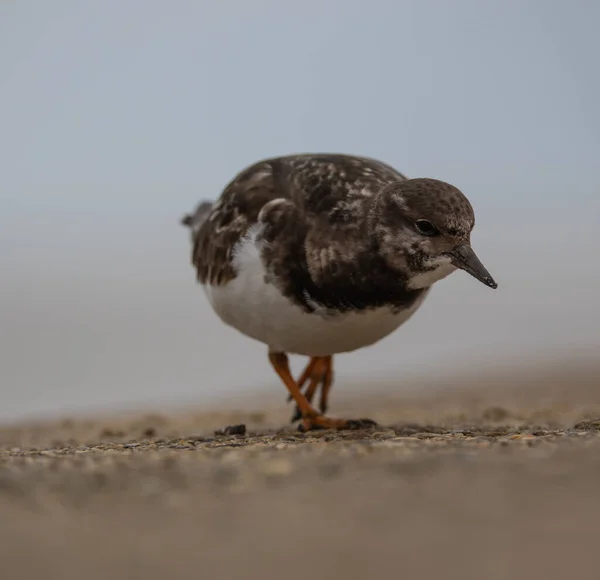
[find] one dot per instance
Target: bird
(317, 254)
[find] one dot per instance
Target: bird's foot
(298, 414)
(311, 423)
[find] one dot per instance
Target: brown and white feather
(326, 191)
(317, 253)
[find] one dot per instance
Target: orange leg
(308, 371)
(319, 371)
(310, 418)
(306, 374)
(281, 364)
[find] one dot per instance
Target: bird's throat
(434, 270)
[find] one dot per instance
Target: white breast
(259, 310)
(441, 267)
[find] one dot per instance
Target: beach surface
(495, 476)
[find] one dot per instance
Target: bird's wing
(323, 192)
(337, 191)
(221, 227)
(319, 247)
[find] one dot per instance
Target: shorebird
(320, 254)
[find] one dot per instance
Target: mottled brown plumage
(312, 241)
(331, 187)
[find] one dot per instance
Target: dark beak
(464, 257)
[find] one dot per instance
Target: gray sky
(117, 117)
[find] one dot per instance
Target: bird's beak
(464, 257)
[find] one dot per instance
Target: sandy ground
(496, 477)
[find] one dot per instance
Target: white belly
(259, 310)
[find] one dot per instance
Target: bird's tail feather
(198, 217)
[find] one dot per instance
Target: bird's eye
(426, 228)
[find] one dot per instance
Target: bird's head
(423, 228)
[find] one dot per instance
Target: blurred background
(117, 118)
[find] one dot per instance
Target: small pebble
(232, 430)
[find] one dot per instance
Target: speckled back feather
(325, 191)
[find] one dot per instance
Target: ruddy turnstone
(319, 254)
